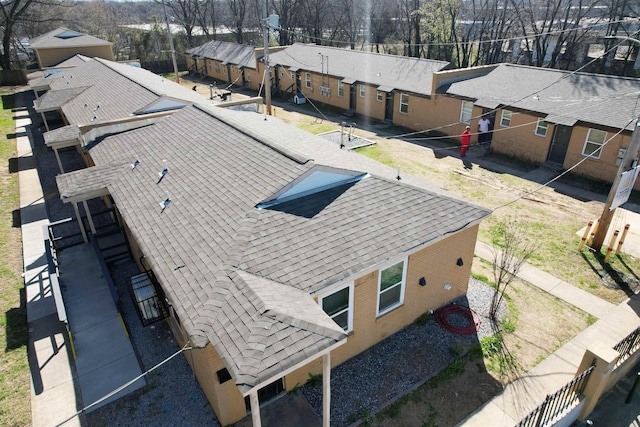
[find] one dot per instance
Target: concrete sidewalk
(53, 394)
(520, 397)
(60, 385)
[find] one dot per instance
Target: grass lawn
(551, 217)
(15, 395)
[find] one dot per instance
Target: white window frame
(247, 75)
(379, 95)
(349, 309)
(466, 112)
(541, 130)
(363, 91)
(404, 102)
(505, 118)
(307, 79)
(588, 141)
(402, 284)
(292, 75)
(216, 67)
(340, 88)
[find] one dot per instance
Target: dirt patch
(446, 399)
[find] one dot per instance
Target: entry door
(267, 393)
(559, 143)
(352, 96)
(388, 108)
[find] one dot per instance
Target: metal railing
(558, 403)
(628, 346)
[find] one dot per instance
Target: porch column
(84, 233)
(46, 125)
(255, 408)
(86, 209)
(55, 150)
(326, 390)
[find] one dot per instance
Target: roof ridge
(363, 52)
(108, 63)
(568, 72)
(260, 138)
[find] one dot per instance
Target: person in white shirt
(484, 134)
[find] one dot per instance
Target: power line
(523, 37)
(546, 184)
(122, 387)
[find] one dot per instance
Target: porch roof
(54, 99)
(65, 136)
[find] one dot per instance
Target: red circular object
(443, 312)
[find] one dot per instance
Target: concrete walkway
(105, 357)
(60, 386)
(520, 397)
(53, 393)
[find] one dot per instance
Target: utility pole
(173, 51)
(628, 161)
(267, 71)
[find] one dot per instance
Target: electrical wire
(533, 36)
(122, 387)
(546, 184)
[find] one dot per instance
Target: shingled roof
(229, 53)
(111, 90)
(222, 260)
(63, 37)
(562, 97)
(386, 71)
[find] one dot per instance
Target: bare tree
(511, 248)
(185, 13)
(207, 16)
(314, 16)
(13, 14)
(382, 24)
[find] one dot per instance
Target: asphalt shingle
(240, 277)
(565, 97)
(386, 71)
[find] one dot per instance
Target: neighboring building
(279, 254)
(62, 43)
(572, 115)
(237, 64)
(379, 86)
(542, 115)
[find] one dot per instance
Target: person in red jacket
(465, 139)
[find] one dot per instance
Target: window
(247, 75)
(466, 112)
(595, 139)
(292, 75)
(362, 91)
(391, 287)
(307, 77)
(404, 103)
(379, 95)
(541, 127)
(505, 118)
(340, 88)
(339, 306)
(224, 69)
(217, 67)
(325, 91)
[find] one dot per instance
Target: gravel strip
(172, 396)
(368, 382)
